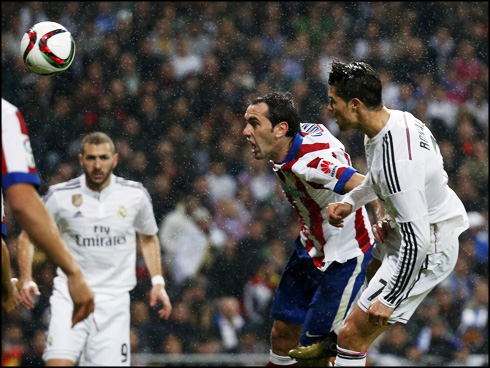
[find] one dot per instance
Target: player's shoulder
(65, 187)
(7, 106)
(133, 186)
(9, 110)
(127, 183)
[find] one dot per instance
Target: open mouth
(254, 147)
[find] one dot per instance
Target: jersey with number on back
(18, 164)
(100, 228)
(406, 172)
(312, 176)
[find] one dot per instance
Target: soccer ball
(47, 48)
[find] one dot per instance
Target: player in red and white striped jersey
(328, 265)
(19, 182)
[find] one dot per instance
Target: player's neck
(98, 187)
(283, 149)
(373, 121)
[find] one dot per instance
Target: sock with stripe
(278, 361)
(349, 358)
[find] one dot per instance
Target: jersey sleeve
(18, 164)
(408, 208)
(360, 195)
(326, 170)
(145, 222)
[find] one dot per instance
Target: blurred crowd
(170, 82)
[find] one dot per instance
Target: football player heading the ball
(406, 172)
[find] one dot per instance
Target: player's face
(341, 110)
(98, 162)
(258, 131)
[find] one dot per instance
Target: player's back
(418, 158)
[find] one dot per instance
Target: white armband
(158, 280)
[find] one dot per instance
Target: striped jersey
(406, 172)
(18, 164)
(312, 176)
(99, 229)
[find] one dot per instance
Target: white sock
(281, 360)
(346, 358)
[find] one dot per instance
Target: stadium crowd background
(169, 82)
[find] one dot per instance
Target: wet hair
(356, 80)
(281, 108)
(97, 138)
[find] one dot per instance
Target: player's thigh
(435, 268)
(64, 342)
(293, 295)
(337, 289)
(108, 344)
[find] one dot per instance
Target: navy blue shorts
(307, 296)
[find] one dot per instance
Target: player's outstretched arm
(151, 253)
(10, 295)
(34, 218)
(25, 254)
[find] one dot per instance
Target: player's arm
(32, 215)
(358, 194)
(25, 254)
(411, 216)
(150, 248)
(10, 295)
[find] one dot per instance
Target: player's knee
(283, 338)
(346, 334)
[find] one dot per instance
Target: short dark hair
(97, 138)
(356, 80)
(281, 108)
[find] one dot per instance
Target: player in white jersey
(406, 172)
(19, 182)
(328, 265)
(100, 216)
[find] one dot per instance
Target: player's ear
(356, 103)
(281, 129)
(80, 159)
(116, 160)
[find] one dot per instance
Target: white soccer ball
(47, 48)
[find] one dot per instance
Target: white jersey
(100, 228)
(312, 176)
(406, 172)
(18, 164)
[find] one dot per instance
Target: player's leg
(63, 344)
(355, 336)
(298, 283)
(284, 336)
(108, 343)
(337, 290)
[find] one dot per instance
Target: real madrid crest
(121, 213)
(77, 200)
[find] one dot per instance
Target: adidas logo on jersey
(78, 214)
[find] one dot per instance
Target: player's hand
(336, 213)
(381, 229)
(12, 298)
(82, 296)
(158, 293)
(378, 313)
(28, 287)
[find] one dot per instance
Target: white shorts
(437, 266)
(102, 339)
